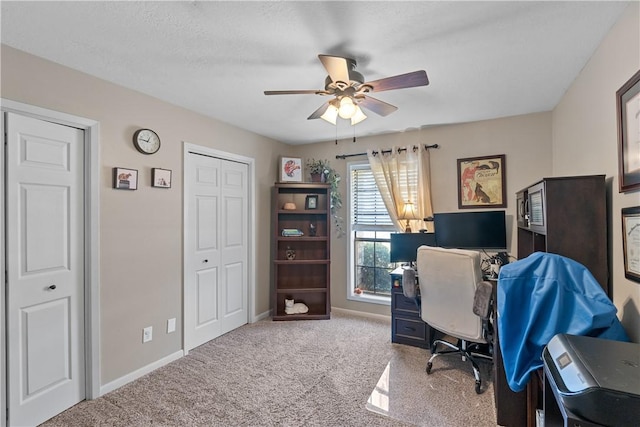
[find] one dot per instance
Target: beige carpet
(303, 373)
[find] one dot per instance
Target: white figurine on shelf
(292, 307)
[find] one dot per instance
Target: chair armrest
(483, 307)
(483, 299)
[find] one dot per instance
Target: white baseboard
(362, 314)
(115, 384)
(262, 316)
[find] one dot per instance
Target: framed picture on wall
(290, 169)
(125, 179)
(628, 109)
(161, 178)
(631, 242)
(481, 182)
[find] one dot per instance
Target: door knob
(52, 287)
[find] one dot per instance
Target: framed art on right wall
(628, 113)
(631, 242)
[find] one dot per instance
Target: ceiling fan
(350, 91)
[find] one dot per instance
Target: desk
(407, 327)
(511, 407)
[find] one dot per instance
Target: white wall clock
(146, 141)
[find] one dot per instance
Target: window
(369, 231)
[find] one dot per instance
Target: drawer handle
(409, 328)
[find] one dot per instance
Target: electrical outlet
(147, 334)
(171, 325)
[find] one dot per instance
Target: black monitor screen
(404, 246)
(471, 230)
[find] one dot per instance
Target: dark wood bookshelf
(304, 278)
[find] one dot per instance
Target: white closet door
(216, 282)
(233, 246)
(45, 269)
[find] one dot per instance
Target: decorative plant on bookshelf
(321, 171)
(318, 169)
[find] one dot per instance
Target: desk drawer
(400, 303)
(409, 328)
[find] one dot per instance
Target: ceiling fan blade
(293, 92)
(379, 107)
(319, 112)
(416, 78)
(337, 68)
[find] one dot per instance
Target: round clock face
(146, 141)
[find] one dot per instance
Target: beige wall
(141, 231)
(524, 140)
(585, 142)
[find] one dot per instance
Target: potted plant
(321, 171)
(318, 169)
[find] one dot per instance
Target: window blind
(368, 209)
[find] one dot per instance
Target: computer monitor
(404, 246)
(471, 230)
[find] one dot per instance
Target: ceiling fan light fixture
(358, 116)
(347, 108)
(348, 90)
(331, 114)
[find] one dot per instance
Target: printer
(596, 379)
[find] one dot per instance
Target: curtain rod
(344, 156)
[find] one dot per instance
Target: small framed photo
(628, 111)
(161, 178)
(311, 202)
(290, 169)
(631, 242)
(125, 179)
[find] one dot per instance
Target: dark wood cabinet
(301, 263)
(407, 327)
(571, 222)
(566, 216)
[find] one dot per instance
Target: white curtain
(404, 176)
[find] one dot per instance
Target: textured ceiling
(483, 59)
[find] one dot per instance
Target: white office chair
(450, 286)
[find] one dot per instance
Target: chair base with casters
(466, 350)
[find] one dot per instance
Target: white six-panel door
(45, 267)
(234, 245)
(216, 248)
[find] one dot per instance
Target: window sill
(371, 299)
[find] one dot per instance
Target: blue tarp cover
(544, 295)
